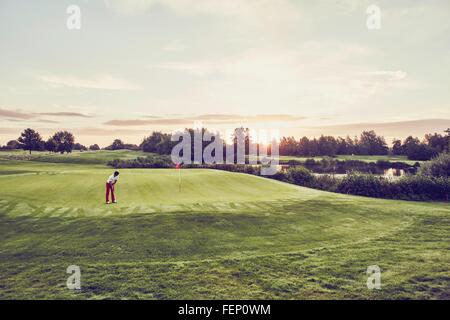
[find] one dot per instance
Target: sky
(300, 67)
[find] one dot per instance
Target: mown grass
(76, 157)
(225, 235)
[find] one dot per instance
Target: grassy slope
(224, 236)
(76, 157)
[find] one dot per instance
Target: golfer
(112, 180)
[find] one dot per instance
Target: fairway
(224, 235)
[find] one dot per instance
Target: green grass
(76, 157)
(225, 235)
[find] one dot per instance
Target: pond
(382, 172)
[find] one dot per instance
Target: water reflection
(392, 172)
(387, 173)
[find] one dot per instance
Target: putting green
(82, 192)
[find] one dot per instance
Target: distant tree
(327, 146)
(79, 147)
(409, 145)
(51, 145)
(352, 145)
(131, 146)
(371, 144)
(120, 145)
(289, 146)
(437, 141)
(342, 146)
(31, 140)
(447, 131)
(304, 147)
(158, 142)
(116, 145)
(313, 147)
(94, 147)
(422, 152)
(13, 145)
(64, 141)
(397, 148)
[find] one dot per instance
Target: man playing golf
(112, 180)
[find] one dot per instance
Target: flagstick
(179, 180)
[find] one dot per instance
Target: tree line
(368, 143)
(62, 142)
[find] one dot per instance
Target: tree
(289, 146)
(436, 141)
(79, 147)
(303, 147)
(371, 144)
(94, 147)
(409, 145)
(64, 141)
(31, 140)
(397, 148)
(157, 142)
(116, 145)
(13, 145)
(352, 145)
(448, 139)
(327, 146)
(342, 146)
(51, 145)
(313, 147)
(422, 152)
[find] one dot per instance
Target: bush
(300, 175)
(422, 152)
(421, 188)
(154, 161)
(437, 167)
(409, 187)
(280, 176)
(363, 185)
(325, 182)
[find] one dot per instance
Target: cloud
(64, 114)
(104, 82)
(389, 75)
(209, 118)
(46, 121)
(311, 75)
(21, 116)
(9, 114)
(92, 131)
(398, 129)
(120, 123)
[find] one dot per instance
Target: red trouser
(110, 188)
